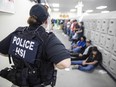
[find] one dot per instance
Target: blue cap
(40, 12)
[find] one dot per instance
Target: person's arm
(64, 64)
(57, 53)
(4, 45)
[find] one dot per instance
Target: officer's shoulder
(21, 29)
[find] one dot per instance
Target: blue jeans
(76, 50)
(81, 67)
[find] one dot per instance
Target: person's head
(83, 38)
(94, 50)
(88, 43)
(38, 15)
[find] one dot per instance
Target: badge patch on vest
(23, 48)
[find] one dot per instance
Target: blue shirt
(81, 43)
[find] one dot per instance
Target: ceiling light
(105, 11)
(56, 9)
(101, 7)
(72, 10)
(55, 5)
(88, 11)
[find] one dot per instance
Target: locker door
(92, 36)
(113, 64)
(112, 27)
(97, 34)
(99, 24)
(88, 34)
(90, 24)
(106, 58)
(102, 40)
(94, 24)
(109, 43)
(105, 26)
(85, 32)
(85, 24)
(114, 47)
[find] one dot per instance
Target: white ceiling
(66, 5)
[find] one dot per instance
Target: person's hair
(32, 20)
(94, 48)
(88, 41)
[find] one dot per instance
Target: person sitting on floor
(85, 54)
(80, 45)
(91, 62)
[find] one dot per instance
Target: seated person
(76, 48)
(91, 62)
(85, 54)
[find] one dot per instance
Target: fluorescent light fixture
(105, 11)
(55, 5)
(56, 9)
(101, 7)
(88, 11)
(73, 10)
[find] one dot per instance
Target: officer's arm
(64, 64)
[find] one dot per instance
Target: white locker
(90, 24)
(94, 24)
(112, 27)
(92, 36)
(114, 47)
(86, 24)
(102, 40)
(106, 58)
(88, 34)
(113, 64)
(100, 49)
(109, 43)
(99, 25)
(97, 37)
(105, 26)
(85, 32)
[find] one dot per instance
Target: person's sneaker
(75, 67)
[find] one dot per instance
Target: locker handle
(115, 51)
(111, 68)
(110, 31)
(112, 22)
(114, 59)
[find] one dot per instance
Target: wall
(101, 29)
(9, 22)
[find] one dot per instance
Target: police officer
(55, 50)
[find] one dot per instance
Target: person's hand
(84, 62)
(80, 55)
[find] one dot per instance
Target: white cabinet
(106, 58)
(109, 43)
(102, 40)
(97, 37)
(105, 26)
(113, 64)
(99, 25)
(112, 27)
(114, 47)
